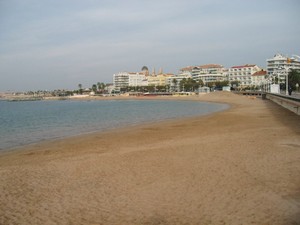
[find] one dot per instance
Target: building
(137, 79)
(279, 61)
(209, 73)
(174, 81)
(279, 65)
(131, 79)
(120, 80)
(259, 78)
(242, 74)
(159, 79)
(186, 71)
(145, 70)
(128, 79)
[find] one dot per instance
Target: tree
(174, 81)
(94, 88)
(100, 87)
(80, 88)
(200, 83)
(221, 84)
(190, 84)
(294, 78)
(235, 84)
(182, 84)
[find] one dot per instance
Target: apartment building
(174, 81)
(186, 71)
(137, 79)
(243, 74)
(159, 79)
(209, 73)
(280, 61)
(279, 65)
(259, 78)
(120, 80)
(128, 79)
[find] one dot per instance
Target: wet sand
(239, 166)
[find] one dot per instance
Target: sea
(27, 122)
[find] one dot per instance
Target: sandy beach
(239, 166)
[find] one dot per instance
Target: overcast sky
(57, 44)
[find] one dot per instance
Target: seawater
(27, 122)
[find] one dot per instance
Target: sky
(58, 44)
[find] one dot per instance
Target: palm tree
(200, 83)
(80, 88)
(94, 88)
(174, 81)
(101, 87)
(182, 84)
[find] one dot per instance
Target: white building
(259, 78)
(280, 61)
(120, 80)
(174, 81)
(209, 73)
(137, 79)
(126, 79)
(186, 71)
(279, 65)
(242, 74)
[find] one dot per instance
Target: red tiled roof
(260, 73)
(188, 68)
(207, 66)
(247, 65)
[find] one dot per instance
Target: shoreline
(236, 166)
(113, 129)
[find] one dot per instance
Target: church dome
(145, 68)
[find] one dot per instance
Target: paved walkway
(294, 94)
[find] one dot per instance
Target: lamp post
(287, 83)
(287, 80)
(286, 69)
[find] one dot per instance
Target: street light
(287, 84)
(287, 81)
(286, 69)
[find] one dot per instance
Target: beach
(238, 166)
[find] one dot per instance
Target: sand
(239, 166)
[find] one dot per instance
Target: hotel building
(159, 79)
(280, 61)
(120, 80)
(209, 73)
(259, 78)
(279, 65)
(186, 71)
(243, 74)
(174, 81)
(127, 79)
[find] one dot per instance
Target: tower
(145, 70)
(160, 71)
